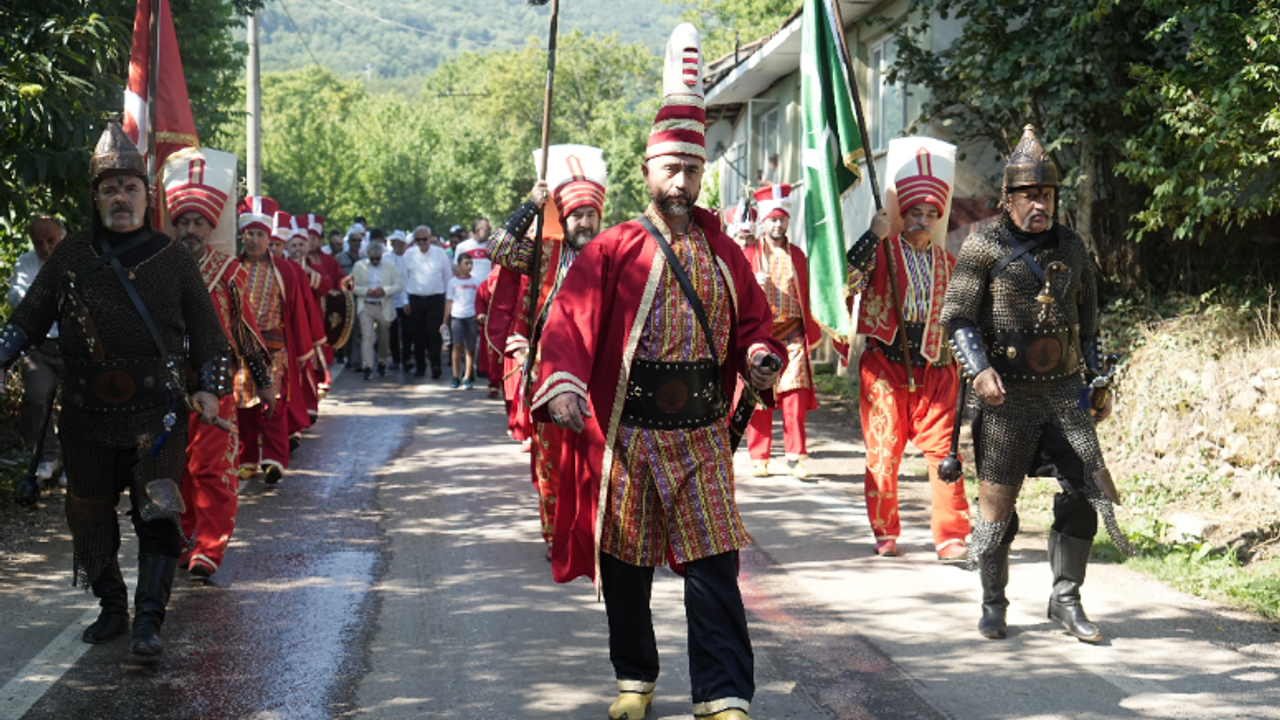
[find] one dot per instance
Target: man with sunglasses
(427, 272)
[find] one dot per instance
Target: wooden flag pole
(535, 263)
(892, 268)
(153, 89)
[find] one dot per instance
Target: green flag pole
(892, 269)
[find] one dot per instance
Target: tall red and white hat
(257, 212)
(576, 175)
(924, 172)
(198, 180)
(314, 225)
(773, 200)
(283, 227)
(681, 124)
(740, 219)
(201, 180)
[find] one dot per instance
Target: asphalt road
(397, 572)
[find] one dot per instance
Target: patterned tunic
(675, 487)
(266, 294)
(780, 286)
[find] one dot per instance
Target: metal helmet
(116, 155)
(1029, 165)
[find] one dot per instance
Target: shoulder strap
(683, 278)
(132, 292)
(109, 253)
(1022, 251)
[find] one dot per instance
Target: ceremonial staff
(535, 263)
(892, 268)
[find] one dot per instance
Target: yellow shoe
(799, 471)
(247, 471)
(732, 714)
(633, 700)
(761, 469)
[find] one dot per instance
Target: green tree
(61, 69)
(1210, 149)
(63, 73)
(726, 23)
(1062, 65)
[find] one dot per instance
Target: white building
(754, 123)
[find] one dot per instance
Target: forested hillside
(414, 36)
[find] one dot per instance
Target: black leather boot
(113, 596)
(155, 579)
(994, 569)
(1068, 558)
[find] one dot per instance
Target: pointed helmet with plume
(115, 155)
(1029, 165)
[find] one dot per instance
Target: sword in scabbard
(1045, 298)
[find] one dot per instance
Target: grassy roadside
(1194, 445)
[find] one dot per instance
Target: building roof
(732, 80)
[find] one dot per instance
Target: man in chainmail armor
(1022, 311)
(125, 404)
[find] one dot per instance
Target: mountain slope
(344, 36)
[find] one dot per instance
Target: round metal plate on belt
(672, 396)
(114, 387)
(1044, 354)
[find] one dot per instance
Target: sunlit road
(397, 572)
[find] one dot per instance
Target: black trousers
(401, 339)
(721, 664)
(426, 314)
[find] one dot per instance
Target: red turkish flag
(174, 127)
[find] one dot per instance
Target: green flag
(830, 152)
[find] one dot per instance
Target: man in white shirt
(477, 246)
(427, 273)
(43, 362)
(375, 283)
(401, 347)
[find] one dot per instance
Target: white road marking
(33, 681)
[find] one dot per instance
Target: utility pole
(253, 148)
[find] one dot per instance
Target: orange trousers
(210, 483)
(547, 442)
(794, 405)
(890, 417)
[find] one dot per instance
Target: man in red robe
(576, 174)
(782, 271)
(197, 184)
(277, 297)
(509, 290)
(626, 367)
(892, 412)
(304, 402)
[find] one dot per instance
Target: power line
(299, 33)
(420, 30)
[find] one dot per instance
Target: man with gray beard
(576, 181)
(132, 310)
(1022, 310)
(197, 183)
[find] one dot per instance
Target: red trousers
(209, 485)
(795, 405)
(890, 417)
(547, 442)
(264, 440)
(519, 424)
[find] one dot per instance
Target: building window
(767, 136)
(888, 100)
